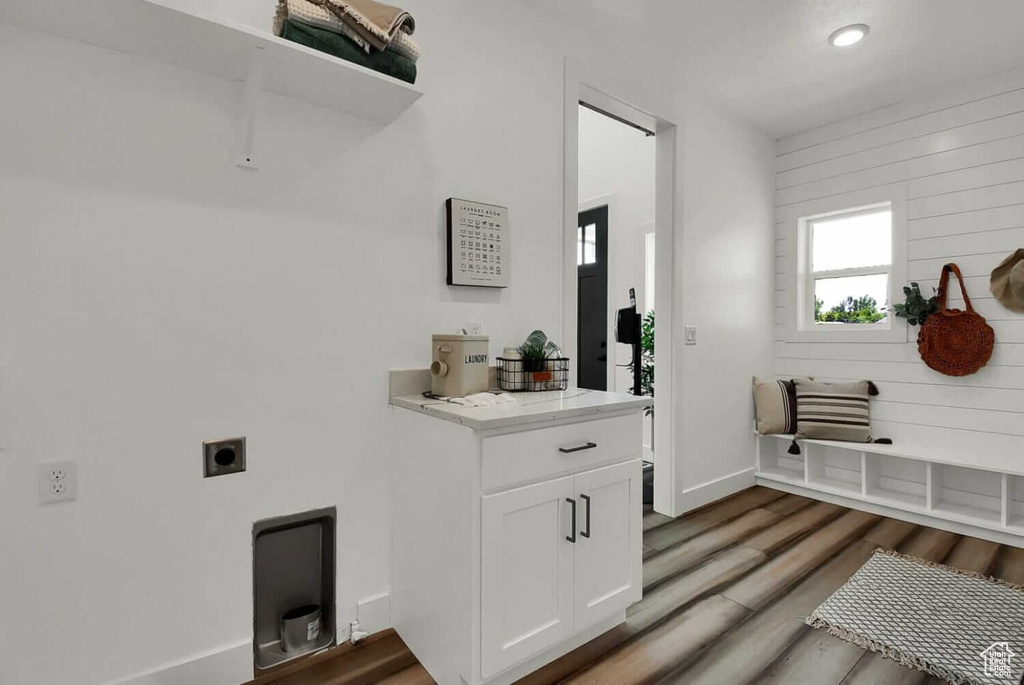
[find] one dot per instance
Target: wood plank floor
(725, 590)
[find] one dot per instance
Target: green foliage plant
(916, 309)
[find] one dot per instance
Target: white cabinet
(609, 561)
(558, 557)
(526, 574)
(512, 546)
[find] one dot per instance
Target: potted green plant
(917, 308)
(647, 357)
(533, 354)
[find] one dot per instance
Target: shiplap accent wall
(960, 155)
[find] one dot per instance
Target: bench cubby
(836, 469)
(967, 493)
(895, 479)
(773, 459)
(1015, 503)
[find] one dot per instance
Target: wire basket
(513, 376)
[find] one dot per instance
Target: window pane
(850, 242)
(590, 244)
(579, 246)
(856, 299)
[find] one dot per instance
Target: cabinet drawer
(530, 456)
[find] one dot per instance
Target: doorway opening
(592, 368)
(614, 265)
(588, 84)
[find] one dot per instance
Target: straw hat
(1008, 282)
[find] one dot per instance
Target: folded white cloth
(484, 399)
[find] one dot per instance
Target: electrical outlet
(474, 328)
(57, 481)
(223, 457)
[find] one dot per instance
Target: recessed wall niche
(293, 586)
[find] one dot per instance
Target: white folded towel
(484, 399)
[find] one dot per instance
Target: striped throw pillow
(774, 406)
(833, 411)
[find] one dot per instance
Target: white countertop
(530, 407)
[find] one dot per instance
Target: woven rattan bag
(953, 342)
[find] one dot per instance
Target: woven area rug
(962, 627)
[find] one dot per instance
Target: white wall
(617, 160)
(153, 296)
(723, 264)
(960, 155)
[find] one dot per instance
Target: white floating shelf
(149, 29)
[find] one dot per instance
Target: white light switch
(4, 412)
(691, 335)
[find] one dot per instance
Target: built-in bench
(978, 494)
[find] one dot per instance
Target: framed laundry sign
(478, 245)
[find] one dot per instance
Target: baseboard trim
(374, 613)
(712, 491)
(230, 663)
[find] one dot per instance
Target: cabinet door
(526, 573)
(609, 563)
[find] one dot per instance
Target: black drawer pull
(586, 533)
(572, 538)
(570, 450)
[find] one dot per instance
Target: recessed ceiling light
(848, 35)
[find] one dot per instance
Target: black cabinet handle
(570, 450)
(572, 538)
(586, 533)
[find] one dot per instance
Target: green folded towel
(386, 62)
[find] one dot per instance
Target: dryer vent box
(223, 457)
(293, 567)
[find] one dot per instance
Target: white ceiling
(768, 60)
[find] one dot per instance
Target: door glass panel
(590, 244)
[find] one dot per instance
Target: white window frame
(801, 325)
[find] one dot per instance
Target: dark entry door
(592, 299)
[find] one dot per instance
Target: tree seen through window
(862, 309)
